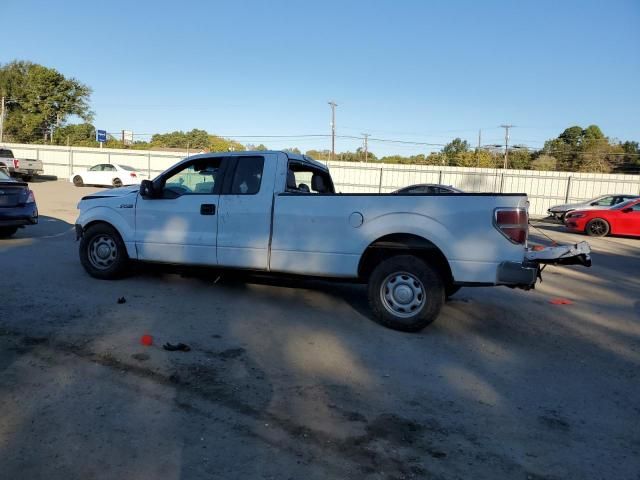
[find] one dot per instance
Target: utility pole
(366, 146)
(478, 149)
(333, 129)
(506, 144)
(2, 121)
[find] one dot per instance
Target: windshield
(626, 204)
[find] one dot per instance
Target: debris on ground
(560, 301)
(141, 357)
(183, 347)
(122, 300)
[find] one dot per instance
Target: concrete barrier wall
(544, 188)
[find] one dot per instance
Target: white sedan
(107, 174)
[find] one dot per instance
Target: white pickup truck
(19, 167)
(278, 212)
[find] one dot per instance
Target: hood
(568, 206)
(113, 192)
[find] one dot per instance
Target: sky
(411, 71)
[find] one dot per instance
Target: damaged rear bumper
(525, 274)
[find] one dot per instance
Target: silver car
(603, 201)
(429, 188)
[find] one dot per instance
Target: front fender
(115, 219)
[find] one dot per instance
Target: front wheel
(117, 182)
(405, 293)
(103, 253)
(77, 181)
(597, 228)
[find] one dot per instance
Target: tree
(82, 134)
(455, 147)
(544, 162)
(40, 98)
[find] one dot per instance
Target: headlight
(576, 215)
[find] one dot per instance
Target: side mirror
(146, 189)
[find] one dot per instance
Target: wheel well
(98, 222)
(403, 244)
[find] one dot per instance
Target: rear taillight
(31, 197)
(133, 175)
(16, 163)
(513, 223)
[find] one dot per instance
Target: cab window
(303, 178)
(196, 178)
(247, 176)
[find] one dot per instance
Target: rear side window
(247, 177)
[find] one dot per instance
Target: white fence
(544, 188)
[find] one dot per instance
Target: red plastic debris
(537, 248)
(560, 301)
(146, 340)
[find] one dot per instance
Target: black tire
(109, 263)
(77, 181)
(27, 178)
(451, 290)
(407, 270)
(117, 182)
(6, 232)
(597, 227)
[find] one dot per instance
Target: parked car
(19, 167)
(17, 205)
(428, 188)
(115, 175)
(621, 219)
(601, 202)
(278, 212)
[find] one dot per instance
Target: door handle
(207, 209)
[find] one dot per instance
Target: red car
(621, 219)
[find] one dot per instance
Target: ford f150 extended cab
(279, 212)
(19, 167)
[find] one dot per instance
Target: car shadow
(43, 178)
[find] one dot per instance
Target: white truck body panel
(305, 233)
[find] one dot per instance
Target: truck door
(180, 223)
(244, 219)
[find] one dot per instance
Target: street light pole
(366, 146)
(333, 129)
(506, 144)
(2, 121)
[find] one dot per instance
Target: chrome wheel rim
(102, 252)
(598, 227)
(402, 294)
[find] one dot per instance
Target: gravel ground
(289, 380)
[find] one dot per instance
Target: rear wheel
(27, 178)
(6, 232)
(77, 181)
(117, 182)
(103, 253)
(405, 293)
(597, 227)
